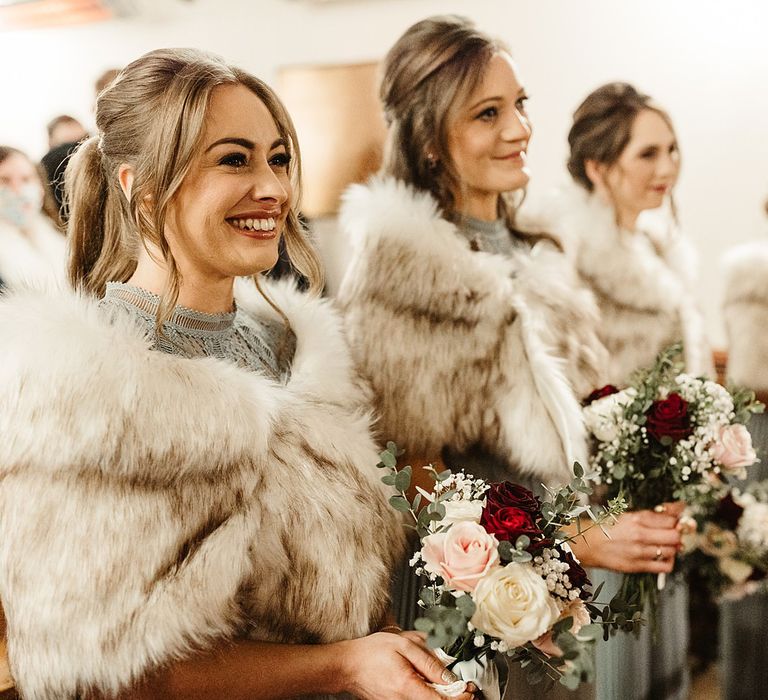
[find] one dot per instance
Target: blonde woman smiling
(190, 503)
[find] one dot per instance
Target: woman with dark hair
(624, 160)
(189, 499)
(474, 334)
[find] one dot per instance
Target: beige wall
(704, 60)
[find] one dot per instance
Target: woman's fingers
(661, 521)
(659, 552)
(667, 537)
(427, 664)
(675, 508)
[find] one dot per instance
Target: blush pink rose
(461, 556)
(580, 615)
(734, 450)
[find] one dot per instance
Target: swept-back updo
(602, 127)
(428, 75)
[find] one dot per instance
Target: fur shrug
(746, 315)
(34, 257)
(642, 282)
(445, 337)
(152, 504)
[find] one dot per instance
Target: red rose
(510, 511)
(576, 573)
(509, 523)
(507, 494)
(729, 511)
(669, 418)
(607, 390)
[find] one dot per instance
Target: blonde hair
(152, 117)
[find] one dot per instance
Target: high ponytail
(96, 225)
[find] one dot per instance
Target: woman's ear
(125, 175)
(596, 171)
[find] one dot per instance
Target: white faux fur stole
(151, 504)
(649, 270)
(33, 257)
(457, 337)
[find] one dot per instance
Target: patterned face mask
(20, 207)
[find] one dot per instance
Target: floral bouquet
(728, 551)
(669, 436)
(500, 577)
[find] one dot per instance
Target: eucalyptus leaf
(563, 625)
(388, 459)
(570, 680)
(403, 480)
(399, 503)
(466, 605)
(423, 624)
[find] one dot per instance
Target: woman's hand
(387, 666)
(641, 541)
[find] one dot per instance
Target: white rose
(753, 524)
(462, 511)
(513, 604)
(734, 569)
(602, 417)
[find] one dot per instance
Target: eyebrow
(245, 143)
(495, 98)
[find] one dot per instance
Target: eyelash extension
(230, 157)
(284, 158)
(488, 113)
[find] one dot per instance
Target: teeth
(254, 224)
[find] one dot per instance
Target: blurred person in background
(624, 160)
(32, 250)
(64, 129)
(64, 134)
(743, 635)
(55, 161)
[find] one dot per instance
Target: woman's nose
(517, 127)
(268, 187)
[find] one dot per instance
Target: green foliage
(445, 617)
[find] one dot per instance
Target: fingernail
(449, 676)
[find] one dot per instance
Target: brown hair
(429, 74)
(57, 121)
(8, 151)
(105, 79)
(152, 117)
(602, 127)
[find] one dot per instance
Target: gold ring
(660, 508)
(657, 556)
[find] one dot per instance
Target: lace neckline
(182, 317)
